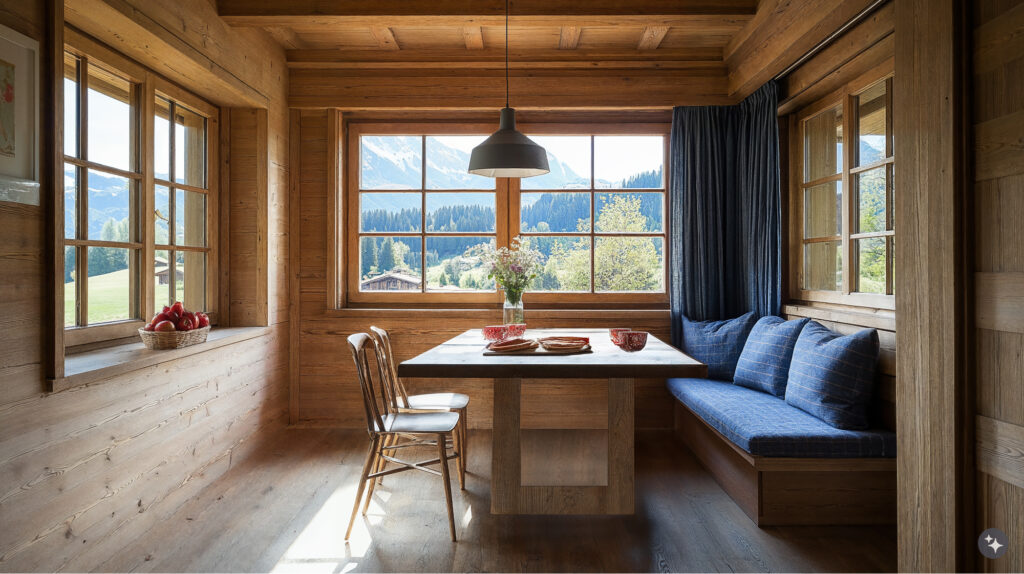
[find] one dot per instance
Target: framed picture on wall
(19, 117)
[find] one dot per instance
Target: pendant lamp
(507, 152)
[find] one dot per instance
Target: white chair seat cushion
(438, 401)
(421, 422)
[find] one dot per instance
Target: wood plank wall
(328, 392)
(998, 118)
(87, 470)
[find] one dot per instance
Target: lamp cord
(506, 53)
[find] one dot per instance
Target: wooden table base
(509, 496)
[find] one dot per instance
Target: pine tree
(368, 255)
(386, 255)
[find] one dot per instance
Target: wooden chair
(431, 402)
(384, 424)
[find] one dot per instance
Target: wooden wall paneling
(294, 189)
(224, 214)
(931, 298)
(248, 217)
(779, 34)
(998, 265)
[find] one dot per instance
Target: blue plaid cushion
(717, 344)
(764, 362)
(832, 376)
(766, 426)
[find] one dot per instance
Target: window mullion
(147, 223)
(423, 214)
(82, 252)
(849, 156)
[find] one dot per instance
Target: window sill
(100, 364)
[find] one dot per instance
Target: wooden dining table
(525, 465)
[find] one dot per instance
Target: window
(102, 177)
(120, 266)
(846, 241)
(417, 222)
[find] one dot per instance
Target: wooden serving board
(539, 350)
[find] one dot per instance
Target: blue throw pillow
(717, 344)
(764, 362)
(832, 376)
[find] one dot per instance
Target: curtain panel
(726, 236)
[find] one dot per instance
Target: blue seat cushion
(764, 362)
(765, 425)
(833, 376)
(717, 344)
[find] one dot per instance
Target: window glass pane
(190, 280)
(823, 210)
(161, 215)
(823, 266)
(70, 201)
(566, 263)
(461, 212)
(448, 162)
(391, 162)
(554, 212)
(70, 105)
(390, 212)
(110, 119)
(70, 295)
(569, 161)
(635, 264)
(189, 147)
(109, 285)
(162, 140)
(823, 144)
(456, 264)
(871, 200)
(629, 212)
(109, 207)
(871, 264)
(872, 124)
(628, 162)
(162, 278)
(390, 263)
(189, 218)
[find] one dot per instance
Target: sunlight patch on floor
(320, 548)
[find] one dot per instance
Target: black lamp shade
(508, 153)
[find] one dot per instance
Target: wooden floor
(285, 509)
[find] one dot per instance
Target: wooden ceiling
(471, 33)
(597, 54)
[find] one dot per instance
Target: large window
(133, 145)
(847, 239)
(418, 222)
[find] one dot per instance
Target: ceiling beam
(569, 37)
(676, 58)
(474, 38)
(652, 37)
(385, 38)
(479, 12)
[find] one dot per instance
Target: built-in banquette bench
(783, 466)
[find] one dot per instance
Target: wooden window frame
(147, 86)
(846, 96)
(507, 192)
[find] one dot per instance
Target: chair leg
(388, 441)
(463, 446)
(370, 458)
(378, 461)
(442, 452)
(457, 451)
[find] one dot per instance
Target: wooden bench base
(793, 491)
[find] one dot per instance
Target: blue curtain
(725, 210)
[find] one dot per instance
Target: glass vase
(512, 310)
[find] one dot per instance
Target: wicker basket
(158, 340)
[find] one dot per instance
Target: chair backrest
(375, 412)
(383, 340)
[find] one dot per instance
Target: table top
(463, 357)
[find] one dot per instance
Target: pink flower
(8, 92)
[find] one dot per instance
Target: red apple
(148, 327)
(203, 318)
(187, 322)
(160, 317)
(178, 308)
(164, 326)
